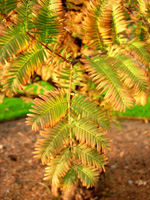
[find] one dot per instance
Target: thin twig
(32, 37)
(46, 47)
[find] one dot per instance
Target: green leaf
(22, 68)
(69, 179)
(7, 6)
(46, 21)
(86, 108)
(13, 41)
(86, 131)
(132, 75)
(119, 22)
(90, 156)
(48, 110)
(87, 175)
(58, 167)
(98, 24)
(138, 50)
(53, 143)
(25, 13)
(103, 74)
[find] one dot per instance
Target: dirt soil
(127, 175)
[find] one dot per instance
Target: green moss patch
(137, 111)
(12, 108)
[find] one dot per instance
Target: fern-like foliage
(88, 132)
(69, 179)
(64, 74)
(26, 15)
(84, 107)
(138, 51)
(88, 175)
(54, 141)
(13, 42)
(97, 23)
(129, 72)
(48, 110)
(84, 147)
(105, 77)
(46, 21)
(90, 157)
(143, 6)
(110, 65)
(104, 22)
(119, 22)
(24, 66)
(58, 167)
(7, 6)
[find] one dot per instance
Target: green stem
(69, 106)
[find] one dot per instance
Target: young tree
(110, 66)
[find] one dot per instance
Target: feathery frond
(25, 11)
(48, 110)
(64, 74)
(90, 157)
(69, 179)
(53, 143)
(46, 20)
(58, 167)
(119, 22)
(87, 175)
(22, 68)
(12, 42)
(88, 132)
(129, 71)
(97, 23)
(104, 22)
(7, 6)
(86, 108)
(138, 50)
(143, 6)
(105, 77)
(90, 25)
(63, 77)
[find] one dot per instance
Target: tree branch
(46, 47)
(32, 37)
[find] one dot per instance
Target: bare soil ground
(127, 174)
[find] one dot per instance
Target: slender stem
(32, 37)
(69, 104)
(46, 47)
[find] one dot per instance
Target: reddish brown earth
(127, 175)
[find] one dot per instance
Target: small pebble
(7, 191)
(113, 166)
(130, 182)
